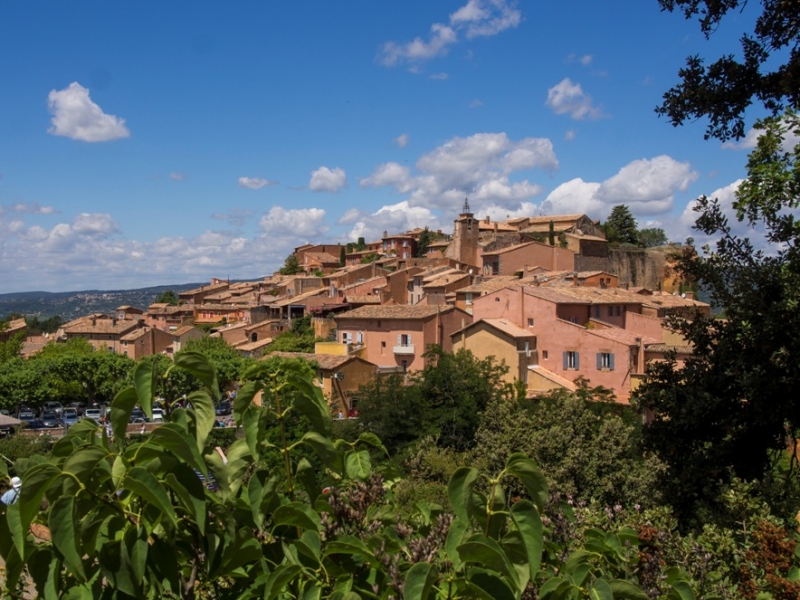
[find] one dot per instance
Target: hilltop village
(542, 294)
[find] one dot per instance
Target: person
(11, 495)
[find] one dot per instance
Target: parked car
(70, 417)
(93, 413)
(53, 407)
(158, 415)
(50, 420)
(35, 424)
(224, 408)
(138, 416)
(26, 414)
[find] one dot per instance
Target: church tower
(464, 247)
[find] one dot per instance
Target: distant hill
(69, 305)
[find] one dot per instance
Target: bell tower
(464, 247)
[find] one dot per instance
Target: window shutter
(599, 360)
(577, 361)
(565, 360)
(611, 361)
(400, 339)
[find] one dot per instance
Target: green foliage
(734, 403)
(621, 226)
(167, 297)
(133, 518)
(37, 326)
(342, 256)
(299, 338)
(291, 266)
(227, 361)
(551, 234)
(650, 237)
(723, 90)
(370, 258)
(585, 455)
(425, 239)
(16, 446)
(444, 400)
(11, 348)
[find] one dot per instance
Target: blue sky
(144, 143)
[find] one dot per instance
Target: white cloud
(75, 116)
(393, 218)
(327, 180)
(236, 216)
(750, 140)
(255, 183)
(584, 59)
(178, 176)
(31, 208)
(439, 76)
(567, 97)
(570, 135)
(646, 186)
(482, 166)
(94, 224)
(402, 140)
(475, 103)
(477, 18)
(293, 223)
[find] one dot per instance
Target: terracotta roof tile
(397, 311)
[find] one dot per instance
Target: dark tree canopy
(724, 89)
(425, 239)
(291, 266)
(736, 402)
(649, 237)
(167, 297)
(621, 226)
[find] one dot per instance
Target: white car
(158, 415)
(93, 413)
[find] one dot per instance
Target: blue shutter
(611, 361)
(565, 360)
(577, 361)
(599, 360)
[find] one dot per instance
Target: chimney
(575, 278)
(689, 295)
(495, 228)
(385, 234)
(488, 220)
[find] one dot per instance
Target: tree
(291, 266)
(226, 360)
(621, 226)
(167, 297)
(342, 256)
(551, 234)
(724, 89)
(425, 239)
(650, 237)
(732, 407)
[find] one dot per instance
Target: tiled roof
(623, 336)
(105, 326)
(491, 285)
(326, 362)
(444, 279)
(549, 375)
(666, 348)
(509, 249)
(509, 328)
(363, 299)
(135, 334)
(664, 300)
(397, 311)
(205, 288)
(182, 330)
(247, 346)
(586, 294)
(323, 257)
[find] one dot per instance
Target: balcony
(407, 349)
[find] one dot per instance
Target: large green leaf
(459, 490)
(244, 398)
(419, 581)
(259, 486)
(145, 384)
(35, 483)
(297, 514)
(681, 590)
(600, 590)
(203, 407)
(173, 438)
(529, 524)
(82, 462)
(199, 366)
(63, 523)
(486, 552)
(279, 579)
(306, 475)
(310, 403)
(531, 476)
(357, 465)
(324, 449)
(625, 590)
(489, 586)
(455, 536)
(191, 493)
(350, 545)
(141, 482)
(372, 440)
(134, 552)
(121, 408)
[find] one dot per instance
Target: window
(571, 360)
(360, 336)
(379, 324)
(610, 311)
(619, 311)
(383, 344)
(405, 366)
(544, 355)
(605, 361)
(347, 338)
(597, 312)
(404, 339)
(469, 298)
(530, 322)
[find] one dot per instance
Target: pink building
(398, 335)
(522, 256)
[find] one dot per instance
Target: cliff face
(653, 268)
